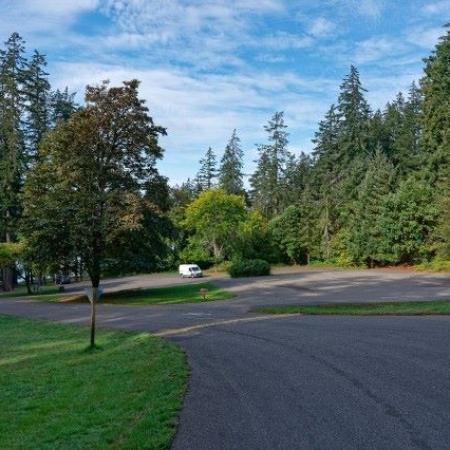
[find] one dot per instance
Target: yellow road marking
(184, 330)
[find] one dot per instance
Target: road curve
(309, 382)
(298, 382)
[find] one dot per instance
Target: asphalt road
(319, 383)
(299, 382)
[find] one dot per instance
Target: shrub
(249, 268)
(203, 263)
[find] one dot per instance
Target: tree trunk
(95, 281)
(8, 279)
(217, 251)
(8, 272)
(93, 304)
(28, 281)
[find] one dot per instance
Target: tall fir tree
(354, 115)
(37, 93)
(267, 182)
(62, 105)
(406, 147)
(326, 148)
(12, 142)
(230, 173)
(297, 177)
(208, 171)
(436, 112)
(367, 235)
(260, 192)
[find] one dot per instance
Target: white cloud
(377, 48)
(284, 41)
(425, 37)
(203, 110)
(50, 16)
(440, 7)
(367, 8)
(321, 27)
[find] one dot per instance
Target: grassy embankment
(56, 394)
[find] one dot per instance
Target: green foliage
(437, 264)
(267, 182)
(436, 112)
(13, 156)
(84, 196)
(249, 268)
(231, 176)
(213, 219)
(208, 171)
(254, 238)
(286, 234)
(295, 231)
(441, 233)
(37, 89)
(408, 219)
(367, 231)
(10, 252)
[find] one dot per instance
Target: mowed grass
(183, 293)
(56, 394)
(21, 291)
(434, 307)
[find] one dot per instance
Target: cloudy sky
(210, 66)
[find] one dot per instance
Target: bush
(436, 265)
(203, 263)
(249, 268)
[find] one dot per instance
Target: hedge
(249, 268)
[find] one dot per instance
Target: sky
(207, 67)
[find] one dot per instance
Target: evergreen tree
(377, 132)
(406, 148)
(393, 125)
(268, 178)
(261, 191)
(62, 105)
(436, 112)
(326, 149)
(12, 143)
(366, 230)
(37, 92)
(231, 176)
(408, 218)
(208, 171)
(354, 115)
(297, 177)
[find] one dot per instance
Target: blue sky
(210, 66)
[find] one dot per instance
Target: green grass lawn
(183, 293)
(21, 291)
(364, 309)
(56, 394)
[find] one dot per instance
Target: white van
(190, 271)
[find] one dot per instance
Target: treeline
(375, 190)
(28, 109)
(79, 187)
(80, 190)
